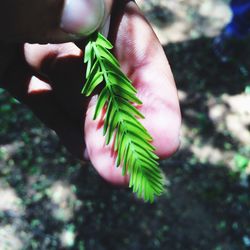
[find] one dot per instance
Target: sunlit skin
(49, 78)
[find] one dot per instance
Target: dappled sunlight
(238, 117)
(10, 205)
(8, 150)
(64, 199)
(9, 238)
(182, 95)
(204, 152)
(190, 19)
(50, 200)
(10, 202)
(67, 237)
(229, 113)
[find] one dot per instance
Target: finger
(146, 64)
(144, 61)
(37, 94)
(64, 65)
(51, 21)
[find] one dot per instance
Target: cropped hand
(48, 78)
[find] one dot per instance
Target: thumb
(44, 21)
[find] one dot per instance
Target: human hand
(49, 78)
(51, 20)
(43, 21)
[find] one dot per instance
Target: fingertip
(82, 17)
(165, 132)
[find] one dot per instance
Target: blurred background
(49, 200)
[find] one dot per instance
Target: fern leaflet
(131, 140)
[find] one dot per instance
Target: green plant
(131, 140)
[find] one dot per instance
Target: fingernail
(82, 17)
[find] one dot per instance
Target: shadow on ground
(53, 202)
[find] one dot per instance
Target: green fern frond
(132, 141)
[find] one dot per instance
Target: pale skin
(49, 77)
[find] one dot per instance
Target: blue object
(239, 27)
(228, 45)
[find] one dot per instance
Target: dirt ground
(49, 200)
